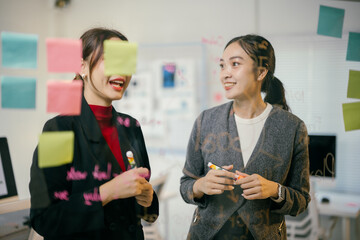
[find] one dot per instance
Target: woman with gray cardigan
(261, 147)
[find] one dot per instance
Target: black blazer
(68, 206)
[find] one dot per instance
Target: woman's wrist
(275, 188)
(196, 189)
(105, 194)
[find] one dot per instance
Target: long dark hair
(92, 45)
(261, 51)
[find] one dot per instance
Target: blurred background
(185, 39)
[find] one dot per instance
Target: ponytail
(275, 92)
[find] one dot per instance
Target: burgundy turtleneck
(103, 116)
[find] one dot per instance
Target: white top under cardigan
(249, 130)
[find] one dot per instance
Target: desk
(13, 204)
(344, 205)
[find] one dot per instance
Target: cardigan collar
(260, 142)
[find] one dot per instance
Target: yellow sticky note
(351, 112)
(354, 84)
(120, 57)
(56, 148)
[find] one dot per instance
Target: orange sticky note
(64, 97)
(64, 55)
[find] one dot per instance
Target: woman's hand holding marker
(256, 187)
(214, 182)
(145, 197)
(237, 176)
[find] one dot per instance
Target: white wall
(156, 22)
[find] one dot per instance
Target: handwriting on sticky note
(63, 55)
(120, 57)
(19, 50)
(64, 97)
(18, 92)
(55, 148)
(92, 197)
(74, 175)
(101, 175)
(62, 195)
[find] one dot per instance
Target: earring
(83, 76)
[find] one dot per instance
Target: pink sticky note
(64, 55)
(64, 97)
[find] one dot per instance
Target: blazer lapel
(97, 143)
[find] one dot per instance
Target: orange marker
(213, 166)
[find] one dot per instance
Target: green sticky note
(331, 21)
(55, 148)
(19, 50)
(353, 50)
(354, 84)
(351, 113)
(18, 92)
(119, 57)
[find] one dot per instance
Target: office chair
(34, 235)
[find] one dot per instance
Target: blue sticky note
(331, 21)
(353, 50)
(19, 50)
(18, 92)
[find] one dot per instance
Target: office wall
(289, 24)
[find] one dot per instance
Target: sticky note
(354, 84)
(64, 97)
(55, 148)
(353, 50)
(18, 92)
(120, 57)
(19, 50)
(63, 55)
(331, 21)
(351, 113)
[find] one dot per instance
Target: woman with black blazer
(98, 195)
(260, 139)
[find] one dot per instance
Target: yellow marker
(213, 166)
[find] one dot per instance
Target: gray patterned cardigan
(280, 155)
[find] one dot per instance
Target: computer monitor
(7, 180)
(322, 157)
